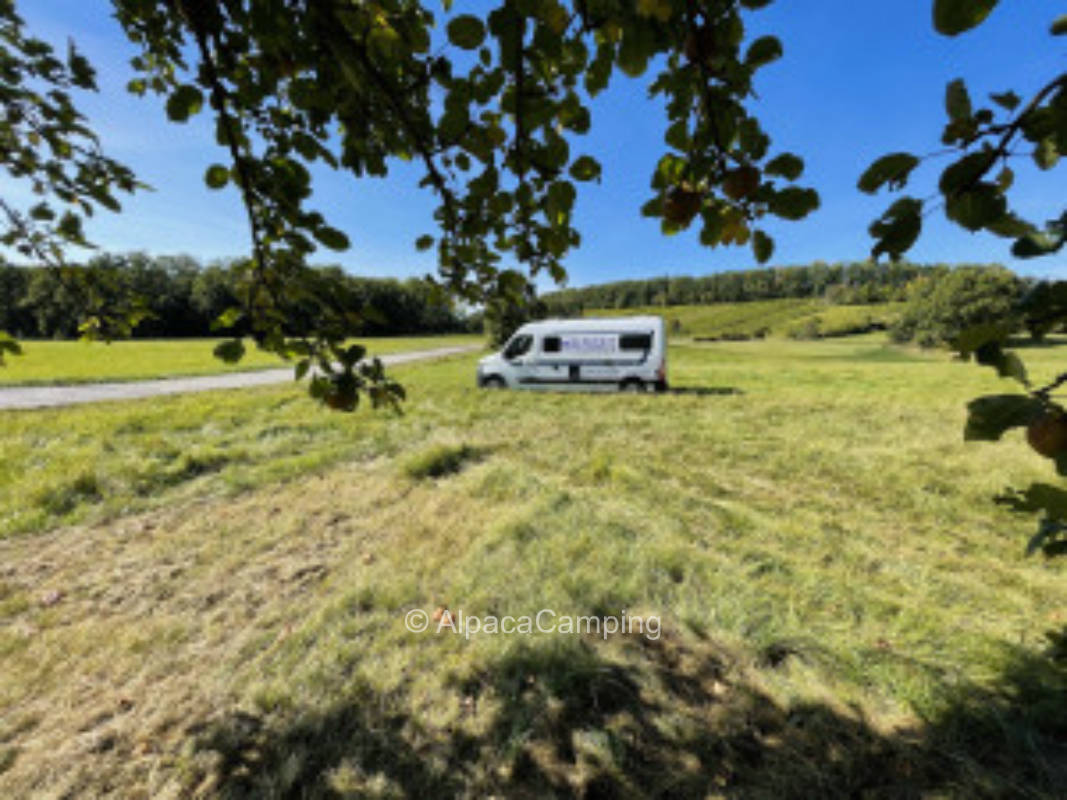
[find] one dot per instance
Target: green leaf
(1059, 25)
(1006, 100)
(301, 369)
(952, 17)
(1046, 154)
(356, 352)
(787, 165)
(677, 135)
(1036, 244)
(1007, 364)
(957, 100)
(974, 337)
(976, 208)
(217, 176)
(989, 417)
(794, 203)
(763, 51)
(424, 242)
(231, 351)
(892, 169)
(755, 4)
(466, 31)
(898, 228)
(1011, 226)
(228, 318)
(964, 173)
(331, 237)
(585, 168)
(184, 102)
(762, 246)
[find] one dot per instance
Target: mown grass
(792, 317)
(845, 610)
(48, 362)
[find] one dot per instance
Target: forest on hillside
(846, 284)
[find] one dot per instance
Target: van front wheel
(634, 385)
(494, 382)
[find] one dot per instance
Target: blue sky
(858, 80)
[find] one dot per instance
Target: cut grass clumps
(440, 461)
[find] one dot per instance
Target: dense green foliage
(855, 283)
(181, 298)
(942, 307)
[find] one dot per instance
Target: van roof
(593, 322)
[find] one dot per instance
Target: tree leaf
(957, 100)
(964, 173)
(989, 417)
(1046, 155)
(763, 51)
(892, 169)
(217, 176)
(1036, 244)
(898, 228)
(794, 203)
(1006, 100)
(585, 168)
(184, 102)
(1007, 364)
(788, 165)
(1059, 25)
(762, 246)
(231, 351)
(952, 17)
(424, 242)
(331, 237)
(466, 31)
(976, 208)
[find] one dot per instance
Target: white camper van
(628, 353)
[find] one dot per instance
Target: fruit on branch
(1047, 434)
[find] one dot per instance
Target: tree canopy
(493, 106)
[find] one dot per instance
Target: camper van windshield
(518, 346)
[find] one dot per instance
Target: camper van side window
(635, 341)
(550, 344)
(518, 346)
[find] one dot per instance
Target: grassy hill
(794, 318)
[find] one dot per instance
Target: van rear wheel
(633, 385)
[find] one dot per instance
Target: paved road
(22, 397)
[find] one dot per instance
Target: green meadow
(49, 362)
(206, 595)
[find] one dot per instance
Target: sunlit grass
(45, 362)
(841, 598)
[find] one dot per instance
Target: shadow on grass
(655, 719)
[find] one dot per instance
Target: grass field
(206, 595)
(47, 362)
(791, 317)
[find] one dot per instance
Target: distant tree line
(854, 283)
(183, 298)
